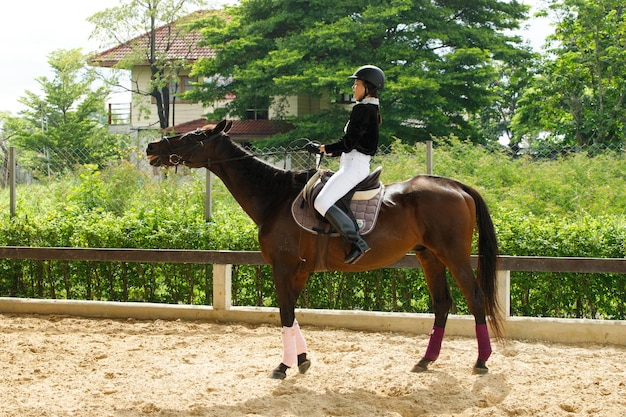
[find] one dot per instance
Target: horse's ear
(220, 126)
(228, 126)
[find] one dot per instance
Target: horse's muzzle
(154, 160)
(152, 153)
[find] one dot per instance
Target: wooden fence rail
(550, 329)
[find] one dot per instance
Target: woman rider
(356, 148)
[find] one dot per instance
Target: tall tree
(151, 29)
(579, 97)
(67, 114)
(4, 151)
(438, 56)
(515, 77)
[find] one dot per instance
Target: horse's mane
(273, 179)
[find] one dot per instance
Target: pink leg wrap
(434, 344)
(301, 346)
(289, 345)
(484, 344)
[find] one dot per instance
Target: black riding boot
(348, 230)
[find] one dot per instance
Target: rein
(180, 158)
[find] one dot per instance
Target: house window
(257, 114)
(177, 88)
(187, 83)
(345, 99)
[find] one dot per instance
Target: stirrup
(356, 253)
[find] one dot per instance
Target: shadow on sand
(441, 395)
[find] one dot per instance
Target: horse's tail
(487, 258)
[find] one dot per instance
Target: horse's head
(188, 149)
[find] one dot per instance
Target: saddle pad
(365, 212)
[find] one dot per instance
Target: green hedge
(571, 206)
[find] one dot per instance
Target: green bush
(574, 205)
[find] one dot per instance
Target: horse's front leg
(435, 273)
(294, 349)
(294, 345)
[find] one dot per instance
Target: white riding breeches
(354, 167)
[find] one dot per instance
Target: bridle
(187, 146)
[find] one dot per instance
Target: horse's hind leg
(475, 298)
(435, 273)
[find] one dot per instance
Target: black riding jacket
(361, 131)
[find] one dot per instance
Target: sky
(32, 29)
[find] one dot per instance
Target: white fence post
(222, 286)
(503, 279)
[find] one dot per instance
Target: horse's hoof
(480, 368)
(418, 368)
(421, 366)
(304, 366)
(280, 372)
(480, 371)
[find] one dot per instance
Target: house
(182, 45)
(242, 131)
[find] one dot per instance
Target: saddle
(364, 201)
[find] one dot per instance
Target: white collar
(369, 100)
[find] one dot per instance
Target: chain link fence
(48, 166)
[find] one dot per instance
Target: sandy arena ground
(66, 366)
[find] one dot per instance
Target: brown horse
(432, 216)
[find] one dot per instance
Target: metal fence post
(13, 192)
(208, 202)
(429, 157)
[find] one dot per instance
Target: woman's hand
(313, 147)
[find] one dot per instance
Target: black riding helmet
(372, 75)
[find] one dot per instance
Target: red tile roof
(242, 130)
(179, 44)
